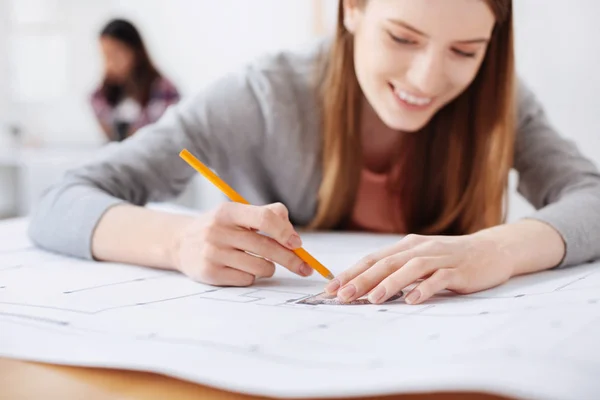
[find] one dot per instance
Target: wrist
(178, 231)
(138, 235)
(527, 245)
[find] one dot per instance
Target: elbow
(540, 194)
(66, 216)
(586, 187)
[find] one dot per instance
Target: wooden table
(24, 380)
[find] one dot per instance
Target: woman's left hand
(462, 264)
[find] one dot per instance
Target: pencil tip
(329, 277)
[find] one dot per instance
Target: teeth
(409, 98)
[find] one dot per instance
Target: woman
(407, 122)
(133, 93)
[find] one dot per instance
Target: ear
(352, 12)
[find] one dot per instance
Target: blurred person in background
(133, 93)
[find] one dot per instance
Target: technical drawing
(162, 321)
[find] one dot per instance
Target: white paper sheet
(534, 337)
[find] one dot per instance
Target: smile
(410, 99)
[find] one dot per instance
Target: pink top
(375, 205)
(162, 95)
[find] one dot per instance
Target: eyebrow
(418, 32)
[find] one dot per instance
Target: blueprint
(537, 336)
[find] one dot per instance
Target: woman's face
(412, 57)
(119, 60)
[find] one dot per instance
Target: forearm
(137, 235)
(528, 245)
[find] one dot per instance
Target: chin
(115, 79)
(401, 123)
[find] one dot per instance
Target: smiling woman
(407, 121)
(410, 64)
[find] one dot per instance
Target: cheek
(128, 62)
(121, 63)
(377, 64)
(460, 76)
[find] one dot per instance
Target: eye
(401, 40)
(464, 53)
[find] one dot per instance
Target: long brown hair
(451, 177)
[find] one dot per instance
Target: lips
(411, 100)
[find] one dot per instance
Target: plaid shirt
(162, 95)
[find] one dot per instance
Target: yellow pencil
(235, 196)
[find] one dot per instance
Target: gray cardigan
(259, 129)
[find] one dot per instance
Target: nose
(426, 72)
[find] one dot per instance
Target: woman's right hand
(214, 249)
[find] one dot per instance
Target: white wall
(7, 197)
(558, 54)
(3, 68)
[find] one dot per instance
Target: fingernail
(413, 296)
(376, 295)
(295, 242)
(306, 270)
(332, 286)
(347, 292)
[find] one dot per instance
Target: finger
(417, 248)
(243, 261)
(268, 248)
(261, 218)
(374, 273)
(219, 275)
(363, 265)
(439, 280)
(279, 209)
(233, 277)
(408, 242)
(382, 269)
(409, 273)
